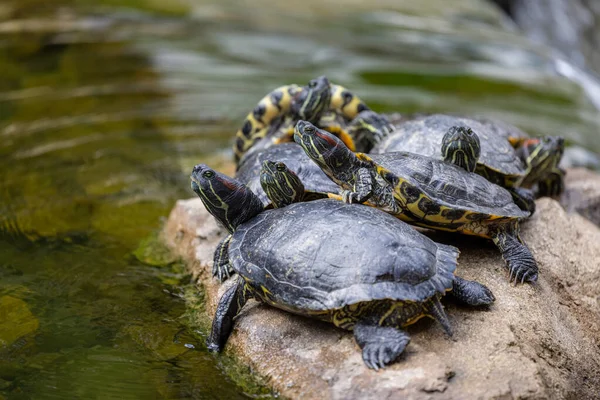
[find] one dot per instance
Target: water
(105, 106)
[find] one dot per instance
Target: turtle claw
(519, 260)
(222, 272)
(380, 345)
(523, 274)
(348, 196)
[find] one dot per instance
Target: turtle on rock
(329, 106)
(516, 165)
(427, 192)
(356, 267)
(316, 183)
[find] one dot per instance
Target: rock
(536, 341)
(16, 320)
(582, 193)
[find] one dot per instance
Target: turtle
(425, 191)
(316, 183)
(356, 267)
(330, 106)
(552, 182)
(498, 160)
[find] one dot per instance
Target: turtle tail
(436, 310)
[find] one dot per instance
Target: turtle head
(460, 146)
(370, 127)
(227, 199)
(541, 155)
(282, 185)
(331, 154)
(313, 100)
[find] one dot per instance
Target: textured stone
(582, 193)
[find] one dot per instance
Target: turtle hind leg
(221, 267)
(552, 184)
(229, 306)
(519, 260)
(471, 293)
(524, 198)
(380, 345)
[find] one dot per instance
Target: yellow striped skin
(394, 313)
(344, 102)
(442, 219)
(273, 105)
(277, 107)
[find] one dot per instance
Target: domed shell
(313, 178)
(424, 136)
(451, 185)
(325, 254)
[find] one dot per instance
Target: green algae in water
(154, 252)
(103, 112)
(16, 320)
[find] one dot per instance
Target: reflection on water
(106, 105)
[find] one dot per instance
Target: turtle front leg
(519, 260)
(471, 293)
(229, 306)
(524, 198)
(221, 268)
(363, 188)
(552, 184)
(380, 345)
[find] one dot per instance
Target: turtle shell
(424, 136)
(502, 129)
(325, 254)
(450, 185)
(313, 178)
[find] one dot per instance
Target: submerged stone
(16, 320)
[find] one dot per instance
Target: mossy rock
(16, 320)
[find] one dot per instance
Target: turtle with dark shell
(367, 124)
(503, 158)
(425, 191)
(356, 267)
(330, 106)
(316, 183)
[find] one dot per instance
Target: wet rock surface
(536, 341)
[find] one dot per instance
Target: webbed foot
(471, 293)
(519, 260)
(380, 345)
(229, 306)
(221, 267)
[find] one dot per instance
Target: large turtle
(515, 169)
(425, 191)
(356, 267)
(330, 106)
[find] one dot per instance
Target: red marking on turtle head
(332, 140)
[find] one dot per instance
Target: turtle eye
(309, 129)
(312, 84)
(280, 167)
(208, 173)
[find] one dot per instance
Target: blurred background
(105, 106)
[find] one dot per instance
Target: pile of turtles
(321, 211)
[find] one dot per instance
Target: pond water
(106, 105)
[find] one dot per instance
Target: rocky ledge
(537, 341)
